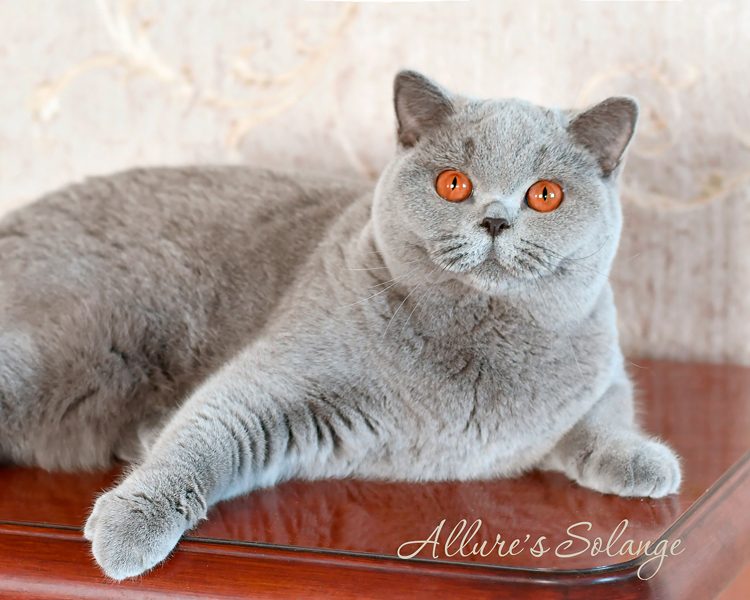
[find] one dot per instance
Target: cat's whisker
(395, 282)
(620, 262)
(444, 238)
(464, 260)
(562, 260)
(452, 249)
(537, 246)
(539, 260)
(429, 291)
(604, 243)
(562, 257)
(405, 299)
(408, 262)
(630, 362)
(573, 352)
(396, 248)
(399, 277)
(449, 263)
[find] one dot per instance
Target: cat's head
(501, 236)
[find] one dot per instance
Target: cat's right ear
(421, 104)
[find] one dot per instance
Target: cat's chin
(494, 278)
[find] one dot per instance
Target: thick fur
(228, 328)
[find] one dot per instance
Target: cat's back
(203, 204)
(229, 238)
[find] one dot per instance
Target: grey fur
(229, 328)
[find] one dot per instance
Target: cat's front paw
(633, 466)
(133, 528)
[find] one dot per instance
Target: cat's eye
(544, 196)
(454, 186)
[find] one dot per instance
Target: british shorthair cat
(227, 328)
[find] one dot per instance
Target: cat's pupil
(454, 185)
(544, 193)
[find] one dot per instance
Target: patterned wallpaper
(94, 86)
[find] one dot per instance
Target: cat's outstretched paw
(132, 529)
(634, 466)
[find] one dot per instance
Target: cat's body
(237, 327)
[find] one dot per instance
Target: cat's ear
(421, 104)
(606, 130)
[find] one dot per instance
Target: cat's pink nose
(495, 225)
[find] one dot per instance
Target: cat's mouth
(488, 261)
(501, 258)
(492, 261)
(492, 255)
(508, 264)
(501, 265)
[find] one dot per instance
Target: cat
(227, 328)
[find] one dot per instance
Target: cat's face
(503, 147)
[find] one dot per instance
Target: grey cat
(226, 328)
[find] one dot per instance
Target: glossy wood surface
(339, 539)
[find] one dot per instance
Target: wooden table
(340, 539)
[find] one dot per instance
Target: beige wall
(92, 86)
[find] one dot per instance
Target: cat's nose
(495, 225)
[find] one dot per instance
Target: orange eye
(454, 186)
(544, 196)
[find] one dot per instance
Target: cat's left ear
(606, 130)
(421, 104)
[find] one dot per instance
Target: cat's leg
(606, 452)
(257, 421)
(69, 399)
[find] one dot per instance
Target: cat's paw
(133, 528)
(634, 466)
